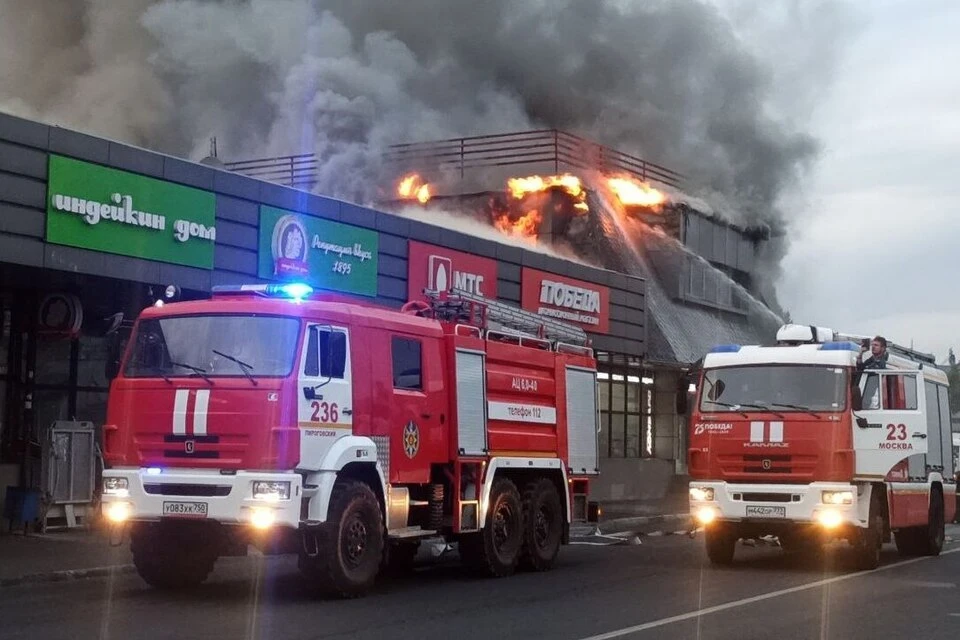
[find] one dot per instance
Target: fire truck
(348, 433)
(801, 442)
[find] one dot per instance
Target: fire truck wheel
(721, 543)
(868, 543)
(495, 551)
(933, 534)
(166, 559)
(542, 525)
(350, 547)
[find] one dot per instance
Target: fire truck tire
(542, 525)
(350, 545)
(166, 560)
(868, 543)
(721, 543)
(932, 536)
(927, 540)
(495, 551)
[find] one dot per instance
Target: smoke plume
(668, 80)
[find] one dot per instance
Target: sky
(874, 232)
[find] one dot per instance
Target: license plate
(764, 511)
(185, 509)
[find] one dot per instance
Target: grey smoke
(669, 80)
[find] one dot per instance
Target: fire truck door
(891, 425)
(324, 391)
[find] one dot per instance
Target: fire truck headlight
(271, 491)
(262, 518)
(118, 512)
(706, 515)
(837, 497)
(119, 487)
(701, 494)
(830, 519)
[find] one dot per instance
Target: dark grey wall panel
(233, 184)
(237, 260)
(393, 224)
(617, 296)
(25, 191)
(79, 145)
(22, 160)
(238, 210)
(24, 132)
(394, 246)
(21, 250)
(188, 173)
(509, 291)
(359, 216)
(424, 232)
(282, 197)
(484, 248)
(101, 264)
(129, 158)
(395, 288)
(394, 267)
(321, 207)
(455, 240)
(237, 235)
(507, 253)
(533, 260)
(22, 221)
(511, 272)
(185, 277)
(222, 278)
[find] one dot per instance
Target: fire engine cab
(801, 442)
(348, 433)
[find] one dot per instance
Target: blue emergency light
(295, 291)
(844, 345)
(725, 348)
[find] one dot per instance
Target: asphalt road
(661, 588)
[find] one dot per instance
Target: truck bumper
(773, 504)
(199, 494)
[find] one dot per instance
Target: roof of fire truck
(285, 300)
(809, 345)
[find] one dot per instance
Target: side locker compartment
(471, 421)
(471, 402)
(582, 420)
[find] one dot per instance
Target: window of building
(626, 407)
(407, 363)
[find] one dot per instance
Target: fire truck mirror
(716, 390)
(115, 345)
(862, 422)
(856, 398)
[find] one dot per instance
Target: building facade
(92, 231)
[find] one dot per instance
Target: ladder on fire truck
(892, 347)
(463, 307)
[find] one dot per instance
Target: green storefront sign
(93, 207)
(326, 254)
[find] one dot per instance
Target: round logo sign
(60, 313)
(411, 439)
(289, 247)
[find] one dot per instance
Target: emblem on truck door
(411, 439)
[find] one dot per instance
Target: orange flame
(521, 187)
(412, 186)
(526, 226)
(632, 192)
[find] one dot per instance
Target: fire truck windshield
(166, 347)
(774, 388)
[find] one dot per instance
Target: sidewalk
(59, 556)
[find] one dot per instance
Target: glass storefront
(626, 408)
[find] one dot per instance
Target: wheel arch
(521, 471)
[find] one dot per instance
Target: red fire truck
(798, 442)
(348, 433)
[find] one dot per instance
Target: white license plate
(185, 509)
(765, 511)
